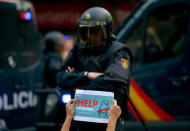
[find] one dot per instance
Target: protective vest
(100, 63)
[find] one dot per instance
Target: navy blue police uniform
(114, 60)
(52, 64)
(52, 59)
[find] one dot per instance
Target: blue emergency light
(28, 15)
(66, 98)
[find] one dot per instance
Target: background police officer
(96, 62)
(53, 61)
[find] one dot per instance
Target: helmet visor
(87, 31)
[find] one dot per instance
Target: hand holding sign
(115, 111)
(70, 108)
(114, 114)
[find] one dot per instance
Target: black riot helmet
(95, 20)
(51, 40)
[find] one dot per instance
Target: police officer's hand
(93, 75)
(115, 111)
(70, 69)
(70, 108)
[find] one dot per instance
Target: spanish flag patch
(124, 63)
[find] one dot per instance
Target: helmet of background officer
(94, 28)
(53, 42)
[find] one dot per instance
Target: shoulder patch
(124, 63)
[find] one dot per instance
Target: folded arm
(116, 73)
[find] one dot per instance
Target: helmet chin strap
(86, 45)
(92, 49)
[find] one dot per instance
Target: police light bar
(66, 98)
(25, 15)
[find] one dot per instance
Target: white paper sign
(93, 106)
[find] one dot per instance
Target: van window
(134, 42)
(165, 35)
(19, 39)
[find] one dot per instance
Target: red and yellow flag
(146, 107)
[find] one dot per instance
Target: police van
(158, 34)
(20, 65)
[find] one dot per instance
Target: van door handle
(19, 86)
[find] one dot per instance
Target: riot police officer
(53, 61)
(97, 62)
